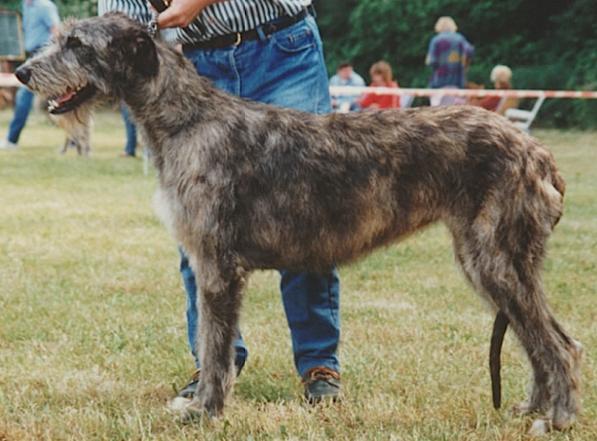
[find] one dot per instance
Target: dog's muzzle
(23, 74)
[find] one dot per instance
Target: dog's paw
(193, 412)
(523, 408)
(178, 405)
(188, 411)
(563, 418)
(540, 427)
(185, 410)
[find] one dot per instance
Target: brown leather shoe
(321, 383)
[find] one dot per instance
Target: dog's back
(341, 185)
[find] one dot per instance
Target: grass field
(92, 327)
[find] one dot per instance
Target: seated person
(381, 76)
(346, 76)
(501, 76)
(474, 100)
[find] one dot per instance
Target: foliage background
(549, 44)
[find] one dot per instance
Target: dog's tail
(552, 186)
(495, 349)
(560, 185)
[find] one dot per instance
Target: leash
(157, 7)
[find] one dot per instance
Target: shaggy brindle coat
(246, 186)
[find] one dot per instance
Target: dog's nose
(23, 74)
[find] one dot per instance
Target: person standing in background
(449, 56)
(40, 22)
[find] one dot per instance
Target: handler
(40, 22)
(268, 51)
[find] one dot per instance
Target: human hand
(181, 13)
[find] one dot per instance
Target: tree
(548, 44)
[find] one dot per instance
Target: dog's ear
(145, 56)
(139, 51)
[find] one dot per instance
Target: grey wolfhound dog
(246, 186)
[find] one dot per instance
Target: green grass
(92, 327)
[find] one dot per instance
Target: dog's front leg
(219, 302)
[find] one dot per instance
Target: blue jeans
(286, 69)
(23, 105)
(131, 131)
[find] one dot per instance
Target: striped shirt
(217, 19)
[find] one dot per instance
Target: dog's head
(101, 57)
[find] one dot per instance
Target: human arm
(51, 19)
(368, 101)
(469, 51)
(181, 13)
(431, 59)
(491, 102)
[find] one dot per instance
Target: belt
(237, 38)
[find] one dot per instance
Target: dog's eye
(73, 42)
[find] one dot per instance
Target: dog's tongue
(67, 96)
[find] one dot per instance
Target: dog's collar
(152, 27)
(157, 6)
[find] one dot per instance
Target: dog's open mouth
(72, 99)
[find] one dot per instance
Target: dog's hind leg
(502, 258)
(220, 294)
(553, 355)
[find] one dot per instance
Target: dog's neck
(162, 120)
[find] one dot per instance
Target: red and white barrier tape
(353, 91)
(9, 80)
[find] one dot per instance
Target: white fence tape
(353, 91)
(9, 80)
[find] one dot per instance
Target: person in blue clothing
(346, 76)
(40, 22)
(130, 148)
(449, 56)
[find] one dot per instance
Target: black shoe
(189, 390)
(321, 384)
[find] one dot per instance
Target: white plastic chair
(406, 101)
(524, 118)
